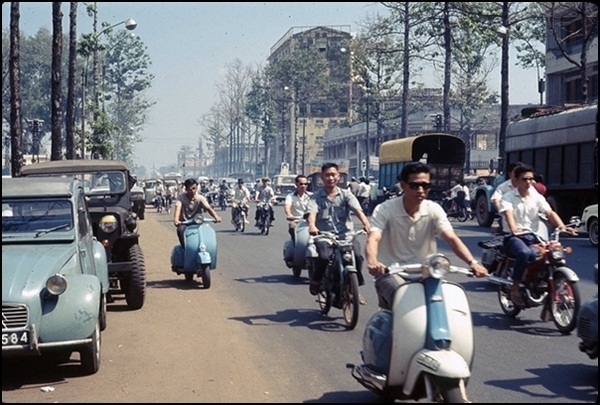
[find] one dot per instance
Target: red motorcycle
(547, 281)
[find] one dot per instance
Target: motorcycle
(462, 214)
(423, 347)
(223, 200)
(339, 285)
(198, 256)
(294, 254)
(587, 324)
(547, 281)
(264, 217)
(159, 203)
(239, 216)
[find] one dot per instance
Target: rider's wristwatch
(472, 262)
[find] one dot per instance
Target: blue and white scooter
(294, 254)
(199, 255)
(423, 348)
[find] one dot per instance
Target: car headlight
(108, 223)
(56, 284)
(437, 265)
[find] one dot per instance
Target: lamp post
(367, 160)
(130, 24)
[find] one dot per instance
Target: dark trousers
(271, 213)
(517, 247)
(321, 262)
(180, 232)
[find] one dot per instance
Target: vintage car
(589, 222)
(115, 214)
(54, 272)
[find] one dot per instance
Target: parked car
(108, 187)
(589, 221)
(149, 186)
(54, 272)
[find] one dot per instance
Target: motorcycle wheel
(350, 300)
(324, 299)
(296, 271)
(189, 276)
(462, 215)
(242, 221)
(205, 275)
(565, 303)
(447, 390)
(266, 225)
(508, 307)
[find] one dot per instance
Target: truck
(561, 143)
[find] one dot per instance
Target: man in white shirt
(295, 204)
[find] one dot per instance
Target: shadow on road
(576, 382)
(289, 279)
(308, 318)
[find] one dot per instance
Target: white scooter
(423, 348)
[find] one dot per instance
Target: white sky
(190, 44)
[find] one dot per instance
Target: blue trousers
(517, 247)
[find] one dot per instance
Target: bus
(444, 153)
(561, 143)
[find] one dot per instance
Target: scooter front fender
(204, 257)
(442, 363)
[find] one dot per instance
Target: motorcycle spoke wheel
(350, 300)
(267, 225)
(565, 304)
(506, 304)
(324, 299)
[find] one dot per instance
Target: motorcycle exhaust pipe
(499, 280)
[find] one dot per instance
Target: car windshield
(25, 215)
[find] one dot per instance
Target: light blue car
(54, 272)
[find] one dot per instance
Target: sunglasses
(415, 185)
(303, 184)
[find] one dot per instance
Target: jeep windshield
(36, 215)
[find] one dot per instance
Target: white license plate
(15, 338)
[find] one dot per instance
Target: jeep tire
(135, 284)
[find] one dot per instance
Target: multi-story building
(304, 125)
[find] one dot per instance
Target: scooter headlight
(437, 266)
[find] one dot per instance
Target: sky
(191, 44)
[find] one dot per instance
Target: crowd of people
(400, 230)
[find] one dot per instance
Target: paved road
(256, 336)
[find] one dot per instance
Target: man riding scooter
(189, 204)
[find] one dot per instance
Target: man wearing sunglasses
(404, 230)
(521, 208)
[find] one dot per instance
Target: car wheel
(593, 231)
(482, 214)
(135, 292)
(90, 353)
(103, 312)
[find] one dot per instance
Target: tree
(15, 92)
(70, 112)
(572, 23)
(306, 74)
(56, 79)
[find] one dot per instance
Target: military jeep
(114, 214)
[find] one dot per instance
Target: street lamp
(504, 31)
(130, 25)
